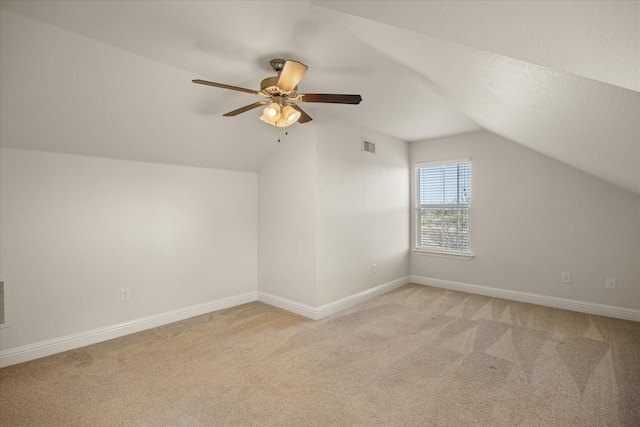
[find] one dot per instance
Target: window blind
(443, 206)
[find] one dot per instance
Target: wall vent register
(368, 146)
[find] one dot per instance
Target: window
(443, 206)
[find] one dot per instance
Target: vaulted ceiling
(113, 78)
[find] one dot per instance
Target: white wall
(75, 230)
(362, 210)
(534, 218)
(287, 218)
(328, 211)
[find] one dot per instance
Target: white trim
(6, 304)
(417, 206)
(457, 255)
(548, 301)
(332, 307)
(69, 342)
(443, 163)
(350, 301)
(288, 305)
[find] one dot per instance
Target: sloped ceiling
(113, 78)
(589, 124)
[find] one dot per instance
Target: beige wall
(362, 210)
(75, 230)
(287, 218)
(328, 211)
(534, 218)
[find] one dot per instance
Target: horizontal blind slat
(443, 213)
(444, 184)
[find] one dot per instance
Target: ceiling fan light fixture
(279, 91)
(280, 115)
(272, 113)
(264, 119)
(291, 115)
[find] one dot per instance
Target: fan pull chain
(279, 133)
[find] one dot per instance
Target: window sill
(442, 254)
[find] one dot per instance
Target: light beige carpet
(417, 356)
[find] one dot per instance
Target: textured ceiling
(591, 125)
(113, 78)
(595, 39)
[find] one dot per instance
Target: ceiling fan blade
(304, 117)
(291, 75)
(223, 86)
(245, 108)
(329, 98)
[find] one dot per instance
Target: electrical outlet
(373, 268)
(566, 277)
(611, 283)
(125, 294)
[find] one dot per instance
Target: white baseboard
(46, 348)
(317, 313)
(350, 301)
(288, 305)
(548, 301)
(69, 342)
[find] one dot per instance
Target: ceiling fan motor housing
(277, 64)
(268, 86)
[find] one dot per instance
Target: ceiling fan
(280, 91)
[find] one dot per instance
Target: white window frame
(432, 251)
